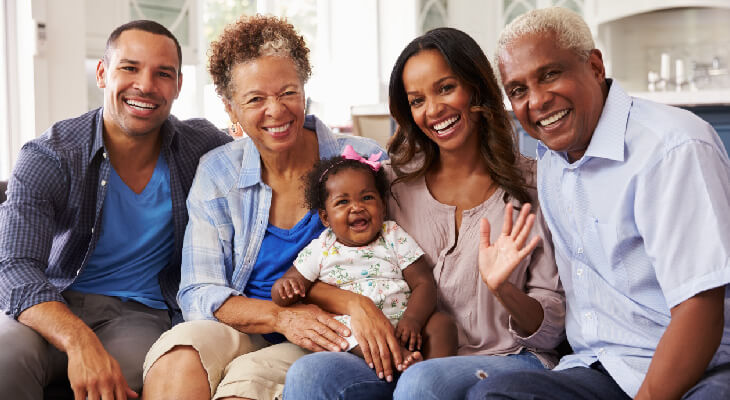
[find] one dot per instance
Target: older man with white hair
(636, 195)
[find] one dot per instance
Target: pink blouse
(484, 325)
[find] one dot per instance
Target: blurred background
(672, 51)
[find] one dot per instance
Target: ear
(229, 109)
(179, 83)
(100, 71)
(595, 59)
(323, 218)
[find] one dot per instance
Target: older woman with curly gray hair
(247, 223)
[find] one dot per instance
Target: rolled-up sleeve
(543, 285)
(207, 252)
(27, 227)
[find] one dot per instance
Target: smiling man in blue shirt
(92, 229)
(637, 197)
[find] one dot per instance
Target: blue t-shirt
(278, 250)
(135, 242)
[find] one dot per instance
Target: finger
(530, 247)
(525, 231)
(325, 337)
(300, 289)
(395, 353)
(385, 359)
(92, 393)
(311, 345)
(412, 342)
(507, 224)
(79, 393)
(377, 362)
(337, 328)
(107, 393)
(485, 231)
(365, 348)
(420, 342)
(521, 217)
(131, 393)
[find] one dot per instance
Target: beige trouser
(237, 364)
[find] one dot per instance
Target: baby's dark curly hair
(315, 190)
(249, 38)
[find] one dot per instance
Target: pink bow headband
(350, 154)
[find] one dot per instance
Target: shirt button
(104, 154)
(588, 315)
(601, 351)
(103, 183)
(579, 271)
(580, 250)
(92, 230)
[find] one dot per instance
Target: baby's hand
(408, 332)
(289, 288)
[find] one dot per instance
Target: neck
(131, 151)
(300, 157)
(460, 164)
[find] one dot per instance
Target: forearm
(526, 312)
(696, 324)
(421, 303)
(335, 300)
(249, 315)
(58, 325)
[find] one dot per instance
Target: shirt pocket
(220, 216)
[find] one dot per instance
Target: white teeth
(279, 129)
(140, 104)
(444, 124)
(553, 118)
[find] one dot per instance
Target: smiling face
(354, 209)
(268, 102)
(140, 79)
(440, 102)
(556, 95)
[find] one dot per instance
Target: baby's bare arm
(290, 288)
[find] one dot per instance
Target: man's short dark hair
(146, 26)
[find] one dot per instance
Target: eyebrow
(162, 67)
(257, 91)
(435, 83)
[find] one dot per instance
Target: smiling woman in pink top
(456, 176)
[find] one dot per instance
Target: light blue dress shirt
(640, 224)
(228, 209)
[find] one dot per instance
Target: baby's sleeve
(403, 245)
(308, 260)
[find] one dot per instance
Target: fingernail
(371, 365)
(389, 378)
(380, 375)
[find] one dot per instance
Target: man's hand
(306, 325)
(94, 374)
(498, 260)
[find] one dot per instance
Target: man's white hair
(569, 28)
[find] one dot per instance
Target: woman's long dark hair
(496, 134)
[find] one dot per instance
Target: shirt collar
(251, 163)
(608, 137)
(166, 130)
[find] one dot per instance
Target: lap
(570, 384)
(451, 377)
(714, 384)
(237, 364)
(327, 375)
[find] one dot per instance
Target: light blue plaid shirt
(228, 207)
(640, 224)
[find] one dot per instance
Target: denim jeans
(583, 383)
(328, 375)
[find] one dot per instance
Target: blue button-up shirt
(49, 225)
(640, 224)
(229, 212)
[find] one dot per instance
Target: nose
(145, 82)
(274, 107)
(433, 108)
(540, 98)
(357, 206)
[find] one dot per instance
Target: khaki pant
(237, 364)
(127, 329)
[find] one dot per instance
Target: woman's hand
(376, 337)
(498, 260)
(306, 325)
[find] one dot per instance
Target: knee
(23, 362)
(417, 382)
(440, 325)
